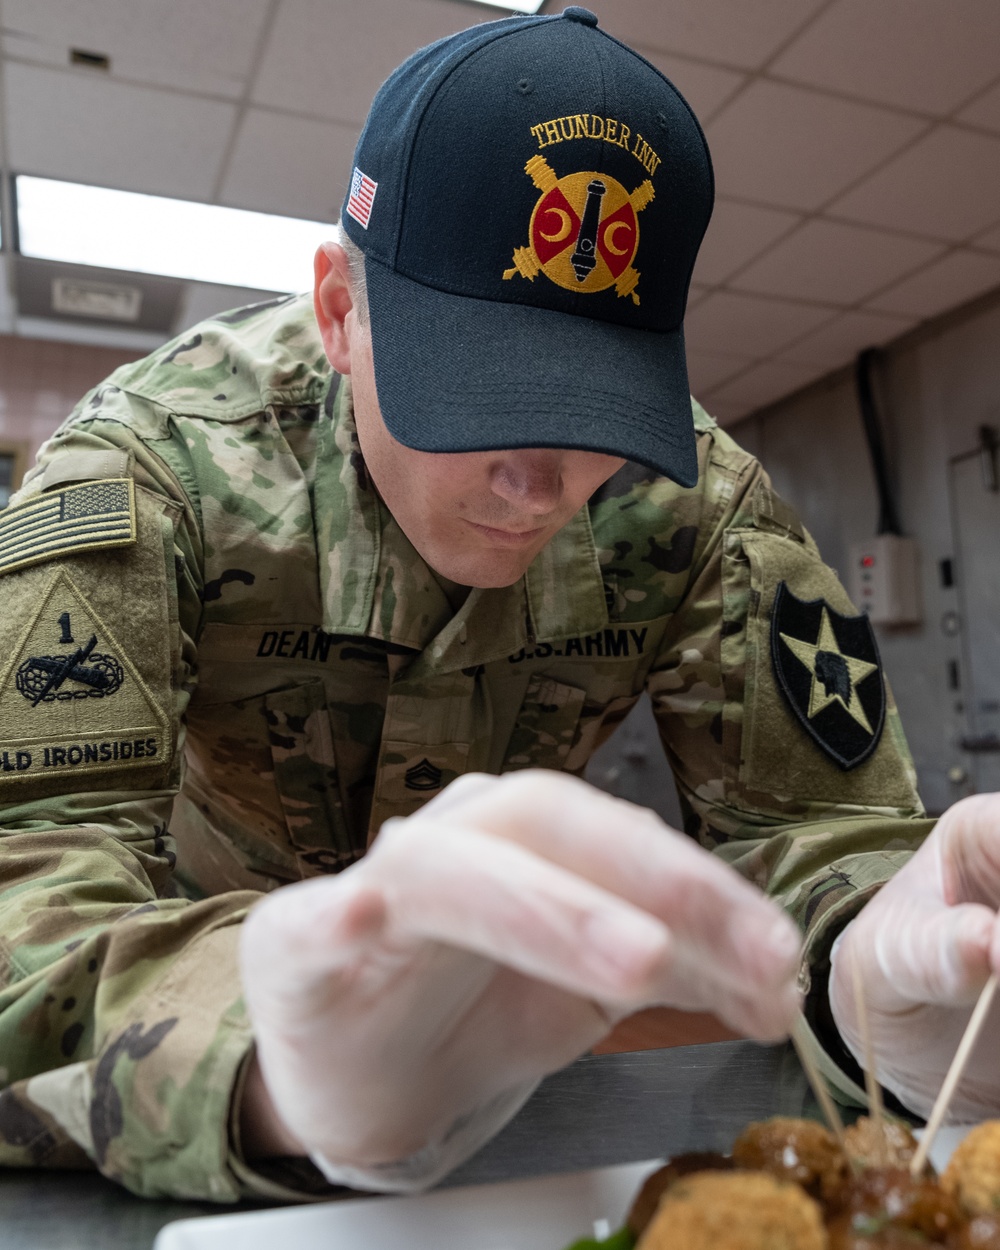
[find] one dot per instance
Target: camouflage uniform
(205, 598)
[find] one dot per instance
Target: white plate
(542, 1214)
(547, 1213)
(945, 1142)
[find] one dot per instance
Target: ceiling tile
(741, 35)
(748, 325)
(329, 57)
(918, 54)
(985, 111)
(706, 369)
(794, 148)
(291, 180)
(834, 263)
(186, 44)
(764, 383)
(844, 336)
(946, 186)
(736, 234)
(958, 277)
(990, 240)
(704, 87)
(90, 129)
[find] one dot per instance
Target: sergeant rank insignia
(423, 776)
(584, 231)
(828, 668)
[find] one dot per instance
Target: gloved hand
(926, 944)
(405, 1009)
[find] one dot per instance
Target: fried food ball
(862, 1138)
(973, 1172)
(854, 1232)
(794, 1150)
(656, 1185)
(981, 1233)
(735, 1211)
(880, 1199)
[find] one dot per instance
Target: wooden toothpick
(872, 1088)
(800, 1041)
(969, 1038)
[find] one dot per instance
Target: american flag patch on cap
(362, 197)
(64, 522)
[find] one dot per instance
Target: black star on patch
(828, 668)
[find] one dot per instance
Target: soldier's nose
(530, 480)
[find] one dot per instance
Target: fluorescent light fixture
(85, 225)
(105, 300)
(513, 6)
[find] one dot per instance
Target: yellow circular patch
(584, 232)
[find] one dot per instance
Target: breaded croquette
(656, 1185)
(973, 1172)
(735, 1211)
(896, 1149)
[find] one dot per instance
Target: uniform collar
(373, 582)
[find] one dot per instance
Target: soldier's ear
(333, 303)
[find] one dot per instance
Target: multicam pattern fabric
(305, 677)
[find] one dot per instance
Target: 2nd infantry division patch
(87, 517)
(828, 668)
(71, 701)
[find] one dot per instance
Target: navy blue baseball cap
(530, 196)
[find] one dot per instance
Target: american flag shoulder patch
(361, 198)
(87, 517)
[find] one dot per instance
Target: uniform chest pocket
(546, 725)
(307, 779)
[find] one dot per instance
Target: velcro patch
(88, 517)
(828, 668)
(71, 700)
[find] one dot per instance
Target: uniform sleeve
(122, 1030)
(784, 739)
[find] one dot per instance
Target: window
(13, 459)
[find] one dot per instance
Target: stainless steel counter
(602, 1110)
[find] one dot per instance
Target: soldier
(303, 570)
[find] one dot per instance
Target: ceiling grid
(857, 145)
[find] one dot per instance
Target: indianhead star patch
(828, 668)
(584, 231)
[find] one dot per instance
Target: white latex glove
(405, 1009)
(926, 944)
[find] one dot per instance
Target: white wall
(938, 385)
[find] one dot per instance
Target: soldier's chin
(485, 571)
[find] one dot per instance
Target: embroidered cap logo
(584, 231)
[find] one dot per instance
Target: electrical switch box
(884, 579)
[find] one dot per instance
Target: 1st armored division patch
(71, 699)
(86, 517)
(828, 668)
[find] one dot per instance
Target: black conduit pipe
(888, 517)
